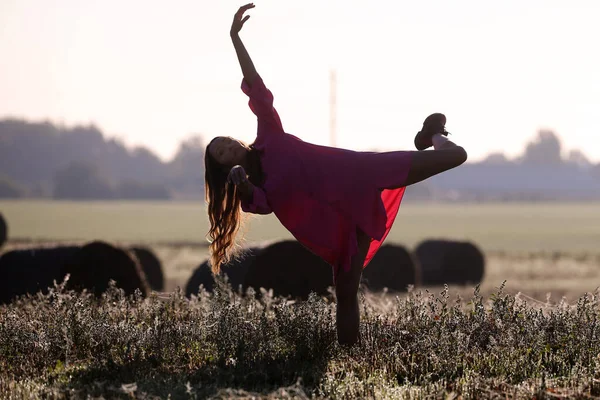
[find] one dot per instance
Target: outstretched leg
(425, 164)
(346, 293)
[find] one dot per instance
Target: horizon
(129, 147)
(141, 72)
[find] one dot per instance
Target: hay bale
(451, 262)
(98, 262)
(392, 267)
(235, 271)
(32, 270)
(151, 266)
(289, 269)
(3, 230)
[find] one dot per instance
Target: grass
(422, 345)
(515, 227)
(536, 337)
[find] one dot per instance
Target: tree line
(46, 160)
(42, 159)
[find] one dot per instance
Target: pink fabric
(322, 194)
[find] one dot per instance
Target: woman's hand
(237, 175)
(238, 21)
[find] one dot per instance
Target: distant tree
(31, 153)
(496, 159)
(81, 181)
(595, 170)
(133, 190)
(545, 150)
(9, 189)
(145, 166)
(43, 189)
(187, 167)
(578, 158)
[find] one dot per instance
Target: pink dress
(322, 194)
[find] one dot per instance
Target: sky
(153, 73)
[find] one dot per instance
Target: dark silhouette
(333, 201)
(392, 267)
(289, 269)
(91, 267)
(3, 230)
(32, 270)
(451, 262)
(235, 271)
(151, 266)
(98, 262)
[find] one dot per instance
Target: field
(572, 227)
(536, 338)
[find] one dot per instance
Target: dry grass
(423, 345)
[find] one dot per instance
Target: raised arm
(248, 69)
(261, 98)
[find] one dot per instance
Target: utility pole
(332, 108)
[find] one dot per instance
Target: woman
(340, 204)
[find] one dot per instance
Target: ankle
(438, 141)
(441, 142)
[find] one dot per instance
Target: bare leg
(425, 164)
(346, 292)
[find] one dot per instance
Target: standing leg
(346, 293)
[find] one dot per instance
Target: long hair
(224, 205)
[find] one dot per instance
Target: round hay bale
(32, 270)
(3, 230)
(235, 271)
(98, 262)
(289, 269)
(151, 266)
(392, 267)
(451, 262)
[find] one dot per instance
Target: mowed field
(539, 249)
(514, 227)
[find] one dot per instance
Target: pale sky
(154, 72)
